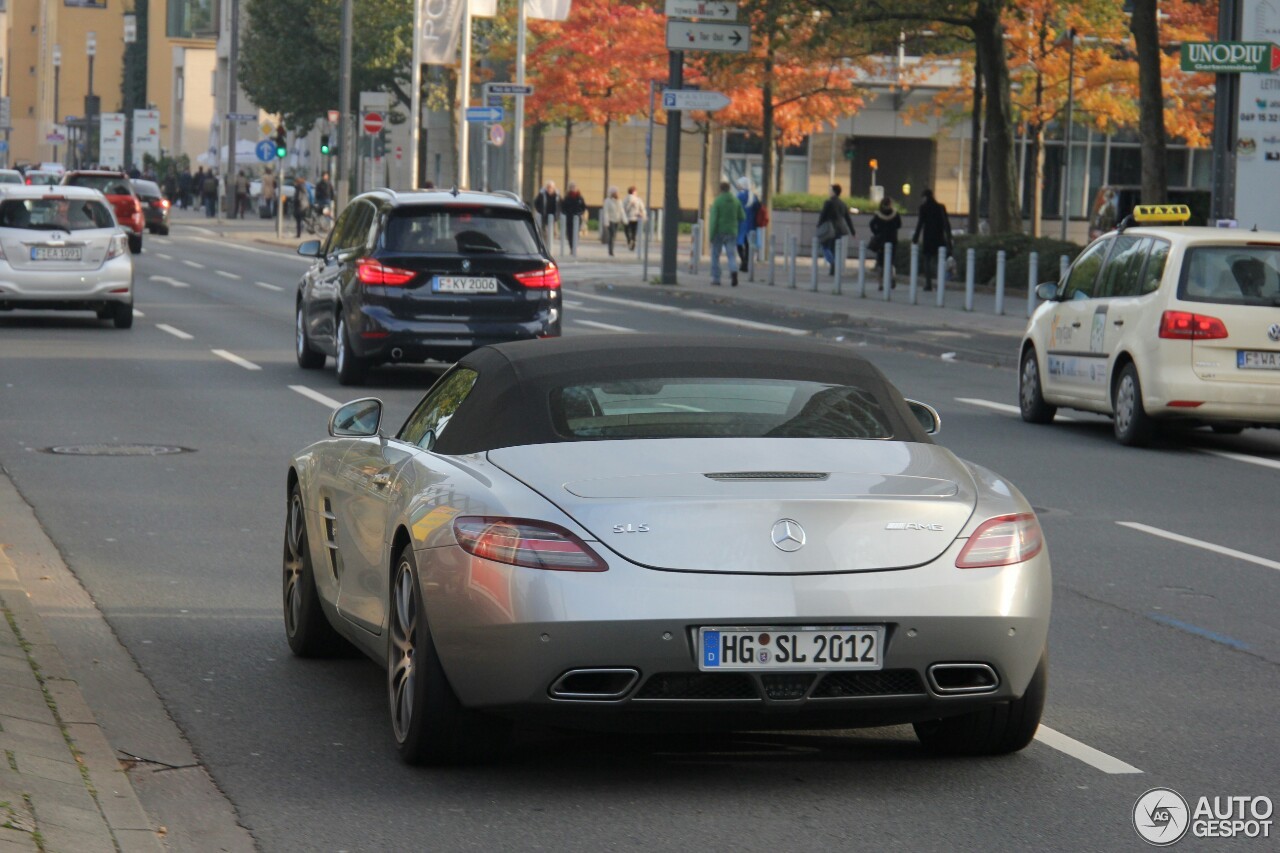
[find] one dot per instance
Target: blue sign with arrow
(266, 150)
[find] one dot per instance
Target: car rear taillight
(1183, 325)
(546, 278)
(116, 247)
(523, 542)
(162, 203)
(1002, 541)
(370, 271)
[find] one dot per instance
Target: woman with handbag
(885, 224)
(834, 222)
(933, 232)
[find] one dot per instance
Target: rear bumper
(1238, 399)
(379, 335)
(112, 282)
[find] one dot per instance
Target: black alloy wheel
(351, 367)
(308, 358)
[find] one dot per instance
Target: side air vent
(768, 475)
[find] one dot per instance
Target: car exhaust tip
(595, 684)
(950, 679)
(397, 353)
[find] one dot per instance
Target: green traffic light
(281, 151)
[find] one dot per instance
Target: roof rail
(508, 194)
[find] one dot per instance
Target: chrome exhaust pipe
(603, 684)
(952, 679)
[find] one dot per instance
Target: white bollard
(813, 268)
(915, 273)
(560, 224)
(970, 275)
(751, 261)
(942, 276)
(793, 250)
(862, 269)
(1033, 273)
(773, 258)
(1000, 266)
(693, 248)
(887, 283)
(837, 261)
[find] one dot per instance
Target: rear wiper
(478, 247)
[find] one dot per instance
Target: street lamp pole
(57, 80)
(90, 102)
(1071, 103)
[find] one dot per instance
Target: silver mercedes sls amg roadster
(662, 533)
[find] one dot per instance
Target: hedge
(812, 202)
(1017, 249)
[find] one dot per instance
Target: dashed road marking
(1083, 752)
(268, 286)
(607, 327)
(315, 395)
(172, 282)
(1242, 457)
(177, 333)
(193, 264)
(699, 315)
(1003, 408)
(578, 306)
(138, 313)
(162, 256)
(239, 247)
(229, 275)
(235, 359)
(1200, 543)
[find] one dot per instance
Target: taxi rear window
(1231, 275)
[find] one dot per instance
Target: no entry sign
(372, 122)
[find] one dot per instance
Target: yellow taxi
(1157, 322)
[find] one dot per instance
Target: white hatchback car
(1156, 324)
(61, 249)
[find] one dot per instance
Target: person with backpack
(747, 230)
(834, 222)
(885, 224)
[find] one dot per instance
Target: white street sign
(146, 134)
(728, 38)
(706, 10)
(508, 89)
(111, 141)
(693, 99)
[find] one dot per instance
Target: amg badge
(911, 525)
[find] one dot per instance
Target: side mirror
(1047, 291)
(310, 249)
(927, 416)
(357, 419)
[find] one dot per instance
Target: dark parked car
(155, 207)
(119, 191)
(413, 276)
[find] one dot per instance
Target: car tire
(351, 367)
(1226, 429)
(1133, 426)
(122, 315)
(135, 243)
(995, 730)
(163, 230)
(307, 629)
(1030, 393)
(308, 358)
(106, 312)
(430, 725)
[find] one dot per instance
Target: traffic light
(875, 164)
(324, 145)
(850, 147)
(282, 145)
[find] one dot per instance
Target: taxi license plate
(55, 253)
(790, 648)
(1247, 359)
(463, 284)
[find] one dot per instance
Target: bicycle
(319, 219)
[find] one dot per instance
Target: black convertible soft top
(509, 404)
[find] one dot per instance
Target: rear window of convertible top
(717, 407)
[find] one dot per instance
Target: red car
(118, 189)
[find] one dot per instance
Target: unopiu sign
(1231, 57)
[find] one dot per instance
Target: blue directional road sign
(266, 151)
(489, 114)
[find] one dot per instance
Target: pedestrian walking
(242, 195)
(574, 207)
(268, 192)
(547, 204)
(636, 212)
(324, 191)
(301, 202)
(885, 224)
(747, 230)
(723, 222)
(834, 222)
(209, 193)
(612, 217)
(184, 188)
(171, 187)
(933, 231)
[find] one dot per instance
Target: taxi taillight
(1184, 325)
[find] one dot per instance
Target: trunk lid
(703, 505)
(422, 298)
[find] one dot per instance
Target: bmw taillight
(547, 278)
(1002, 541)
(1184, 325)
(524, 542)
(370, 271)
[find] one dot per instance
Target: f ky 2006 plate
(791, 648)
(463, 284)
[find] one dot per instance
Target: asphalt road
(1164, 642)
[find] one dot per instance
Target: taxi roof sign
(1145, 213)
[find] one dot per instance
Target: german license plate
(55, 253)
(463, 284)
(1247, 359)
(791, 648)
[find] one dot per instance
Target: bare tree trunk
(975, 155)
(706, 166)
(1037, 189)
(1146, 35)
(533, 161)
(568, 137)
(1002, 172)
(766, 94)
(608, 126)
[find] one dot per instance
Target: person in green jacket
(722, 226)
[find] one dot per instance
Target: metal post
(648, 180)
(862, 269)
(345, 139)
(233, 126)
(1000, 269)
(693, 250)
(915, 273)
(1033, 273)
(558, 222)
(793, 250)
(1071, 102)
(1063, 264)
(773, 257)
(751, 261)
(837, 264)
(574, 234)
(415, 95)
(464, 100)
(671, 178)
(517, 130)
(970, 274)
(484, 159)
(942, 276)
(813, 267)
(887, 284)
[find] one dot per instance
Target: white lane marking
(268, 286)
(229, 275)
(240, 247)
(1199, 543)
(193, 264)
(138, 313)
(578, 306)
(164, 279)
(1083, 752)
(235, 359)
(700, 315)
(1241, 457)
(1003, 408)
(162, 256)
(177, 333)
(315, 395)
(608, 327)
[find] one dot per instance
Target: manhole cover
(118, 449)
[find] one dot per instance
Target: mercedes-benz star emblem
(466, 265)
(788, 535)
(1273, 332)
